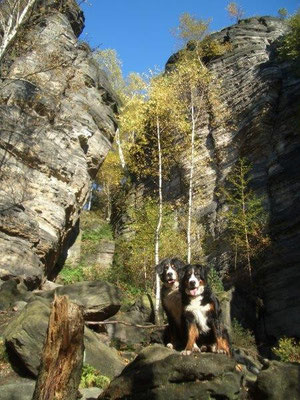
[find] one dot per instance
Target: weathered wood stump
(61, 364)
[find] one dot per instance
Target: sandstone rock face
(263, 95)
(57, 124)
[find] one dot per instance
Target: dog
(169, 271)
(201, 314)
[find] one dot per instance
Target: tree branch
(126, 323)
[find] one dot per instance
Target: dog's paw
(217, 349)
(170, 346)
(213, 348)
(204, 348)
(186, 352)
(196, 348)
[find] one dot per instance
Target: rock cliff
(57, 124)
(263, 95)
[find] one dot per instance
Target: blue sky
(139, 30)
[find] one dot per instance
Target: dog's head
(194, 280)
(169, 270)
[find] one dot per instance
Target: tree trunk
(246, 230)
(191, 178)
(61, 365)
(157, 232)
(12, 16)
(120, 150)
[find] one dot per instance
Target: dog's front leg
(193, 335)
(222, 344)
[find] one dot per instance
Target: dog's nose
(192, 284)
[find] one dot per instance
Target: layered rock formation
(263, 95)
(57, 124)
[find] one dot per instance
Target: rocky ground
(138, 367)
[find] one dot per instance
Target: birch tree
(192, 81)
(153, 152)
(13, 15)
(190, 28)
(109, 178)
(130, 91)
(235, 11)
(162, 109)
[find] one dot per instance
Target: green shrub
(93, 232)
(94, 235)
(242, 337)
(290, 46)
(69, 275)
(215, 282)
(134, 256)
(288, 350)
(91, 377)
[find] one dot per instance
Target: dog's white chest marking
(199, 312)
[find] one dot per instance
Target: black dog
(170, 270)
(201, 314)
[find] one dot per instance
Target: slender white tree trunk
(11, 20)
(159, 223)
(191, 178)
(89, 202)
(246, 231)
(121, 154)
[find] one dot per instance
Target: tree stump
(61, 364)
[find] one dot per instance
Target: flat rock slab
(160, 373)
(100, 300)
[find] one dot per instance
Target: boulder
(13, 291)
(278, 381)
(20, 389)
(142, 313)
(91, 393)
(160, 373)
(102, 357)
(25, 335)
(100, 300)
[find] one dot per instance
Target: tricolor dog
(201, 313)
(169, 270)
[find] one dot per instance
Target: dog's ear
(181, 271)
(177, 263)
(159, 268)
(205, 273)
